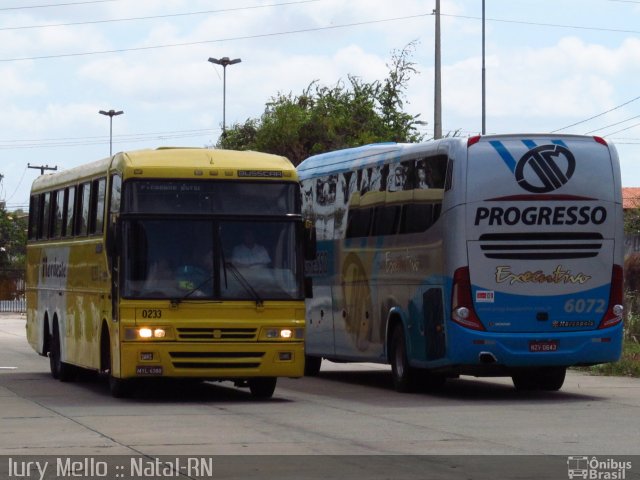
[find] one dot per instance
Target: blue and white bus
(488, 256)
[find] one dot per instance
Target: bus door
(541, 217)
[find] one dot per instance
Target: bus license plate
(148, 370)
(543, 346)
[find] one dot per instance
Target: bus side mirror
(114, 235)
(310, 243)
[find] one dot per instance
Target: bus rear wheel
(404, 376)
(59, 369)
(547, 378)
(262, 387)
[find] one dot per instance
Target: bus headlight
(145, 333)
(283, 333)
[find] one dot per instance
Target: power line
(3, 9)
(85, 141)
(596, 116)
(624, 129)
(202, 42)
(153, 17)
(540, 24)
(612, 125)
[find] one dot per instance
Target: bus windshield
(210, 259)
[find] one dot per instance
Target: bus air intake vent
(217, 334)
(216, 360)
(540, 246)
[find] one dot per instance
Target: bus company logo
(53, 269)
(596, 469)
(485, 296)
(545, 168)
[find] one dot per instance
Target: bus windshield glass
(211, 197)
(210, 259)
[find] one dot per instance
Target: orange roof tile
(631, 197)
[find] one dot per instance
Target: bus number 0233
(152, 313)
(581, 305)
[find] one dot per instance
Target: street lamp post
(110, 114)
(224, 61)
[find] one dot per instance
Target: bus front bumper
(233, 361)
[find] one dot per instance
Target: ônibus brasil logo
(541, 169)
(545, 168)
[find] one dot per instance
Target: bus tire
(312, 365)
(262, 387)
(59, 369)
(404, 376)
(120, 387)
(550, 379)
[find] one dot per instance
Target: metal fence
(12, 291)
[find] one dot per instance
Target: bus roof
(170, 162)
(352, 158)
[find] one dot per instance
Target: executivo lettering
(559, 275)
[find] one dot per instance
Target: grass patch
(627, 366)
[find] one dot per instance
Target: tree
(323, 118)
(13, 239)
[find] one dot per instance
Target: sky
(570, 66)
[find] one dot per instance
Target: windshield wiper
(245, 284)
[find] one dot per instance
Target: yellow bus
(175, 262)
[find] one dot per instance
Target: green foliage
(323, 118)
(632, 221)
(13, 239)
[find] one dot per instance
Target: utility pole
(437, 101)
(42, 168)
(484, 87)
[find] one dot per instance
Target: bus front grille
(540, 246)
(216, 360)
(217, 334)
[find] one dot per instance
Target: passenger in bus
(423, 182)
(397, 180)
(249, 253)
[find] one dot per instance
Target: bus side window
(386, 220)
(359, 222)
(96, 214)
(82, 214)
(45, 216)
(416, 217)
(431, 172)
(69, 202)
(449, 175)
(58, 213)
(34, 213)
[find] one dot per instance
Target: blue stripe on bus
(559, 142)
(504, 153)
(529, 143)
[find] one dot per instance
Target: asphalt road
(349, 412)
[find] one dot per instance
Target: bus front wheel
(120, 388)
(404, 376)
(312, 365)
(262, 387)
(59, 370)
